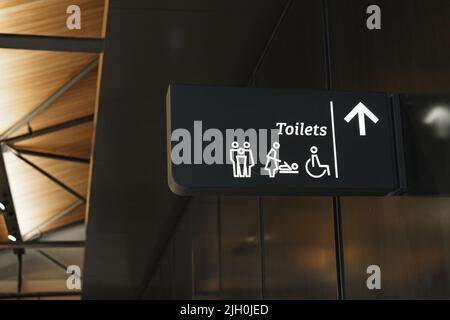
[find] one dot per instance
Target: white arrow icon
(362, 111)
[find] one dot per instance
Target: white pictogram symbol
(314, 162)
(242, 160)
(288, 169)
(362, 112)
(273, 162)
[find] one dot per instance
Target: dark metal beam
(52, 155)
(252, 79)
(54, 128)
(48, 175)
(14, 295)
(19, 272)
(53, 260)
(51, 43)
(42, 244)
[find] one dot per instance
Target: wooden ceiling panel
(48, 17)
(75, 141)
(77, 102)
(76, 215)
(36, 198)
(3, 229)
(20, 132)
(27, 78)
(75, 175)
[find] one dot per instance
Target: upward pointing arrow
(362, 111)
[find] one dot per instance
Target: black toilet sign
(264, 141)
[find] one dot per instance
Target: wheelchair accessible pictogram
(314, 163)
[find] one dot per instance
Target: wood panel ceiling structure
(27, 79)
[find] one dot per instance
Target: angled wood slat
(36, 197)
(77, 102)
(78, 214)
(29, 77)
(3, 229)
(73, 174)
(75, 141)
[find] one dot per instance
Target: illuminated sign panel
(266, 141)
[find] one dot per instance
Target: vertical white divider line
(336, 172)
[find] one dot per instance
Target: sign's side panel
(399, 133)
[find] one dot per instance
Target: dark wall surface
(150, 44)
(144, 242)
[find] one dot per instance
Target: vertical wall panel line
(262, 247)
(337, 219)
(219, 244)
